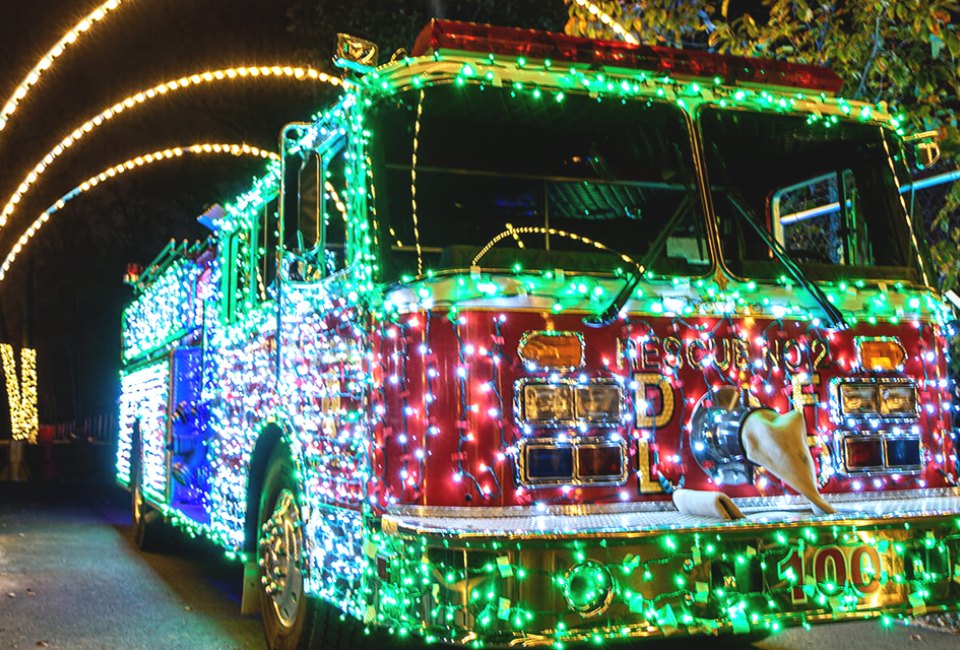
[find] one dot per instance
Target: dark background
(64, 294)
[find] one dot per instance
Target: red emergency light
(449, 35)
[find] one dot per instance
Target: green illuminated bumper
(518, 577)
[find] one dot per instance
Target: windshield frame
(695, 197)
(916, 263)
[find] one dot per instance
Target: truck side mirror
(925, 149)
(356, 54)
(293, 162)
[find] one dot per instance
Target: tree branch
(873, 55)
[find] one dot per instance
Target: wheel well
(269, 438)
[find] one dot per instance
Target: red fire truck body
(534, 339)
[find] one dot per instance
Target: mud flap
(250, 601)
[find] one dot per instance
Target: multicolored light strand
(122, 168)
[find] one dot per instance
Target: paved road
(78, 582)
(70, 578)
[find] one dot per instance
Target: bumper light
(599, 403)
(886, 397)
(903, 452)
(549, 463)
(562, 404)
(596, 462)
(543, 403)
(864, 454)
(588, 588)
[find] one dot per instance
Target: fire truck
(533, 340)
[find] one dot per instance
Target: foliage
(901, 53)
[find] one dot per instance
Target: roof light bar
(453, 36)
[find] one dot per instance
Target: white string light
(46, 61)
(301, 74)
(122, 168)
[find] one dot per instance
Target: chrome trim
(747, 504)
(857, 510)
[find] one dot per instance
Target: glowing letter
(22, 392)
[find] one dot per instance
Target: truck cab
(533, 339)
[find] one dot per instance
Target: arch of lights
(609, 21)
(122, 168)
(140, 97)
(47, 60)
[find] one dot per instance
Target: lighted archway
(122, 168)
(298, 73)
(47, 60)
(609, 21)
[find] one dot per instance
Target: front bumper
(515, 576)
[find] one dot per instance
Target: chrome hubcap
(281, 545)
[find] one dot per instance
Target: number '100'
(858, 566)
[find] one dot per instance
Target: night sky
(64, 297)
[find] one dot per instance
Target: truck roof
(448, 36)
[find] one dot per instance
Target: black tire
(315, 623)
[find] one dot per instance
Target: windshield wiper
(610, 314)
(834, 316)
(612, 311)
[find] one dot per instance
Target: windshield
(824, 190)
(458, 166)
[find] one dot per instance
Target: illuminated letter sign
(21, 392)
(654, 400)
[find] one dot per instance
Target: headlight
(598, 403)
(898, 399)
(859, 399)
(570, 404)
(547, 403)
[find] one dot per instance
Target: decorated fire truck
(533, 340)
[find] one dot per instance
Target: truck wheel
(289, 617)
(292, 620)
